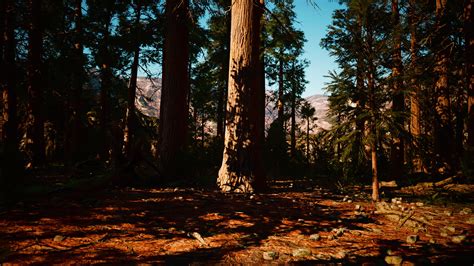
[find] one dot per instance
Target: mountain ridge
(148, 96)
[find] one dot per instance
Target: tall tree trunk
(397, 151)
(8, 82)
(444, 139)
(280, 103)
(415, 113)
(469, 50)
(242, 163)
(293, 127)
(106, 79)
(35, 123)
(73, 120)
(375, 180)
(361, 101)
(307, 140)
(9, 98)
(373, 107)
(130, 120)
(175, 89)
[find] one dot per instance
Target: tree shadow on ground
(131, 225)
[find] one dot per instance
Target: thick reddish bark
(35, 122)
(415, 113)
(242, 164)
(444, 138)
(175, 90)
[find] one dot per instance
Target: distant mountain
(149, 95)
(321, 105)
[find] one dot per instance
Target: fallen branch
(382, 208)
(400, 214)
(199, 238)
(404, 220)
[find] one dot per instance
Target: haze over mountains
(149, 93)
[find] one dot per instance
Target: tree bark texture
(175, 89)
(444, 139)
(242, 163)
(35, 120)
(415, 128)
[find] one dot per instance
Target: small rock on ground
(301, 252)
(270, 255)
(458, 239)
(412, 239)
(394, 260)
(58, 238)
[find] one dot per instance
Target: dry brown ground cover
(294, 223)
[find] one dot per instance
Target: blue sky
(314, 22)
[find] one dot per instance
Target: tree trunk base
(228, 181)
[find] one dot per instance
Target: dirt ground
(296, 222)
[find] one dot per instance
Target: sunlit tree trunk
(175, 89)
(373, 142)
(35, 122)
(242, 163)
(415, 128)
(130, 120)
(444, 139)
(397, 151)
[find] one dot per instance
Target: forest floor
(296, 222)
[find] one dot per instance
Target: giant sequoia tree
(175, 87)
(242, 166)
